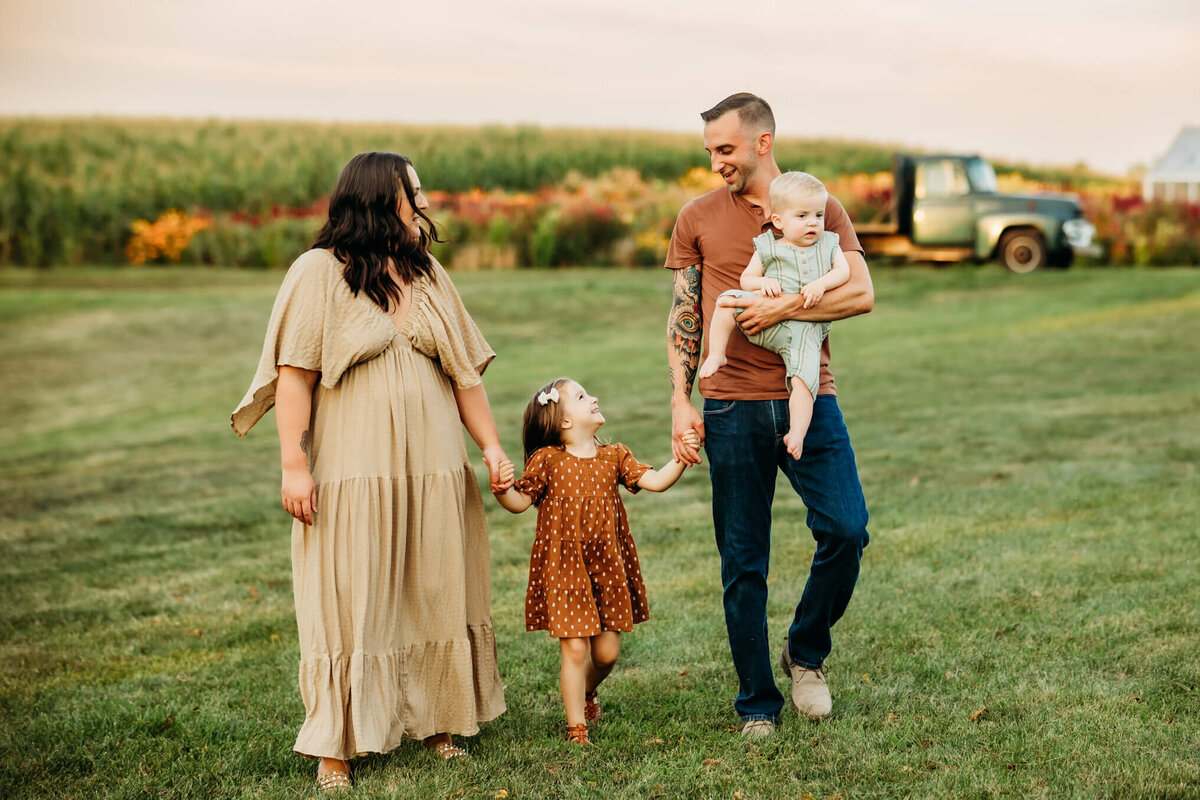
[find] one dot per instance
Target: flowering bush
(614, 219)
(866, 198)
(1132, 231)
(165, 238)
(619, 218)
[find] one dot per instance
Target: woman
(373, 365)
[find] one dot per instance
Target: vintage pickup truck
(948, 208)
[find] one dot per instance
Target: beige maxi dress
(391, 581)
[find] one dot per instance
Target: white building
(1176, 176)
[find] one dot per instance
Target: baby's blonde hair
(790, 185)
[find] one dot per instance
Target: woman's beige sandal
(577, 734)
(334, 780)
(447, 750)
(591, 709)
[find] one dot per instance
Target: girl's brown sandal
(577, 734)
(591, 709)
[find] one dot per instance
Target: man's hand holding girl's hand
(684, 420)
(691, 440)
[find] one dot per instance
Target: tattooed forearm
(305, 442)
(684, 329)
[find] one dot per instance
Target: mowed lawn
(1027, 622)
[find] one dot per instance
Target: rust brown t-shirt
(716, 231)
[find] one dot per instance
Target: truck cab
(949, 208)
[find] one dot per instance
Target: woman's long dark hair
(364, 229)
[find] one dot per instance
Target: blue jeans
(744, 443)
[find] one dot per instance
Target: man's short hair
(751, 109)
(790, 185)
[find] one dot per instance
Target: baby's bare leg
(800, 409)
(719, 332)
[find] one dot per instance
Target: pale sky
(1109, 82)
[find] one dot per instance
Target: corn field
(106, 191)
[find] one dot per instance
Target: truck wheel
(1022, 250)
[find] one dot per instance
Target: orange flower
(167, 237)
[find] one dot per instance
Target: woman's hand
(507, 475)
(299, 494)
(500, 476)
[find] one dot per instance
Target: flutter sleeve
(629, 469)
(764, 245)
(831, 243)
(535, 476)
(316, 324)
(439, 326)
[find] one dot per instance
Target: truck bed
(876, 228)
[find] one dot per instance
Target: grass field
(1027, 622)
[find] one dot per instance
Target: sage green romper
(796, 341)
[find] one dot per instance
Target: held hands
(687, 433)
(500, 469)
(506, 478)
(299, 494)
(813, 292)
(691, 440)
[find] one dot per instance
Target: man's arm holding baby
(855, 296)
(839, 273)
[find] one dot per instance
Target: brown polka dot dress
(584, 576)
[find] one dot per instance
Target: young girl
(585, 585)
(805, 260)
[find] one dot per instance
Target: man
(746, 415)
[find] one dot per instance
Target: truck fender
(990, 227)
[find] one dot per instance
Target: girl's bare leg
(800, 408)
(606, 647)
(573, 678)
(719, 331)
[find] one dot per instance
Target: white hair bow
(548, 397)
